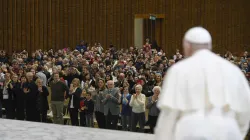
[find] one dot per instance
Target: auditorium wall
(45, 24)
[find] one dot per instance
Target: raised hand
(40, 89)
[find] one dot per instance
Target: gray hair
(139, 86)
(157, 87)
(29, 74)
(201, 46)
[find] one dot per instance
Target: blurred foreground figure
(213, 126)
(202, 82)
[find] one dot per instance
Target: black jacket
(42, 101)
(90, 107)
(76, 99)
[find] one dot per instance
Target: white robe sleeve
(166, 123)
(169, 114)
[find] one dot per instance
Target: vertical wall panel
(14, 26)
(10, 29)
(61, 26)
(85, 21)
(57, 25)
(41, 25)
(73, 27)
(81, 19)
(37, 31)
(53, 24)
(130, 23)
(28, 24)
(65, 25)
(77, 22)
(45, 25)
(5, 25)
(32, 25)
(1, 25)
(21, 25)
(92, 21)
(49, 14)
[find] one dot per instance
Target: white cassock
(203, 81)
(212, 126)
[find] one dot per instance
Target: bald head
(29, 76)
(122, 76)
(110, 84)
(195, 39)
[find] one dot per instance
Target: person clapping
(137, 103)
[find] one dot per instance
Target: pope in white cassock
(204, 97)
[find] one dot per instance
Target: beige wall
(138, 32)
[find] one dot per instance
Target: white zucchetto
(198, 35)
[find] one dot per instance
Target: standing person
(137, 103)
(89, 110)
(111, 105)
(59, 90)
(208, 82)
(8, 97)
(98, 99)
(30, 89)
(153, 110)
(20, 99)
(74, 101)
(126, 109)
(42, 100)
(82, 108)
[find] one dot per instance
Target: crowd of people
(97, 83)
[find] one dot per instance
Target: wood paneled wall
(45, 24)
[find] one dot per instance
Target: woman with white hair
(153, 109)
(137, 103)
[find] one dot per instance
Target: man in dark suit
(111, 105)
(30, 89)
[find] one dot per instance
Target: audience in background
(99, 84)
